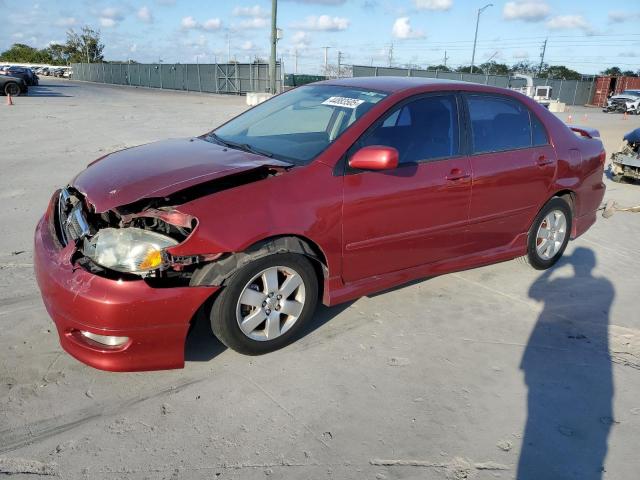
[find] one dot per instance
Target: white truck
(540, 93)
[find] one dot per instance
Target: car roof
(394, 84)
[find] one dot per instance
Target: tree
(467, 69)
(21, 53)
(441, 68)
(527, 67)
(614, 71)
(629, 73)
(494, 68)
(84, 47)
(560, 71)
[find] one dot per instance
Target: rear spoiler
(585, 131)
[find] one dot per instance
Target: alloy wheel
(551, 234)
(270, 303)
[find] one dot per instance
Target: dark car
(30, 78)
(13, 86)
(327, 192)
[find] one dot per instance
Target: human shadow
(568, 372)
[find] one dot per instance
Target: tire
(538, 256)
(12, 89)
(228, 310)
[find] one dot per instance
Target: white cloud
(66, 22)
(188, 23)
(440, 5)
(301, 39)
(251, 23)
(145, 15)
(110, 17)
(521, 54)
(569, 22)
(254, 11)
(402, 29)
(212, 24)
(324, 23)
(527, 10)
(107, 22)
(134, 48)
(248, 45)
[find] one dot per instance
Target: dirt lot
(460, 376)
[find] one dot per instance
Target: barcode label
(344, 102)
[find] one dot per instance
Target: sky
(585, 35)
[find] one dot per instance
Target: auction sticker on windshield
(344, 102)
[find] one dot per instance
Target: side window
(422, 129)
(498, 124)
(538, 133)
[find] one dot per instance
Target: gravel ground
(460, 376)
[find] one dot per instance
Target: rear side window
(538, 133)
(423, 129)
(498, 124)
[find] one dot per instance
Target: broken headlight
(129, 250)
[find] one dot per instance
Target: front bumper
(156, 320)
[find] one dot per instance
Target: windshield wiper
(240, 146)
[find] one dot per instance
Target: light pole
(475, 38)
(274, 41)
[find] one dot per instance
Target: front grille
(71, 220)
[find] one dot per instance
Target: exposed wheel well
(215, 273)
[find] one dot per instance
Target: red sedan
(327, 192)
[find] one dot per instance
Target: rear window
(500, 123)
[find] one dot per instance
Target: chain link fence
(235, 78)
(571, 92)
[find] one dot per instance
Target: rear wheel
(265, 303)
(12, 89)
(549, 234)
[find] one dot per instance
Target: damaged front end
(626, 162)
(123, 243)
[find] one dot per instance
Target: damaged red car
(324, 193)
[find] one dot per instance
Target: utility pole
(228, 48)
(445, 58)
(544, 49)
(274, 42)
(326, 59)
(391, 54)
(295, 56)
(475, 38)
(339, 62)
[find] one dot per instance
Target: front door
(417, 213)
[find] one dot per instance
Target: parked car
(625, 102)
(327, 192)
(30, 78)
(57, 72)
(13, 86)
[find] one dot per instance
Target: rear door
(417, 213)
(513, 167)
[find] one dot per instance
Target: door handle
(457, 174)
(543, 160)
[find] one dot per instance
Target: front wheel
(265, 303)
(549, 234)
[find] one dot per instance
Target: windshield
(300, 124)
(633, 93)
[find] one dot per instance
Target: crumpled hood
(160, 169)
(631, 98)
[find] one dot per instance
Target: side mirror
(375, 157)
